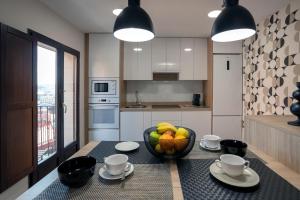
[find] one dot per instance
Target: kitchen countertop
(182, 106)
(283, 171)
(278, 122)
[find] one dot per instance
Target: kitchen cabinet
(133, 125)
(104, 56)
(228, 47)
(137, 61)
(193, 59)
(166, 55)
(158, 57)
(200, 122)
(228, 127)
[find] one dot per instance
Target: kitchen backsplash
(272, 63)
(163, 91)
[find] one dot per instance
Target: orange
(166, 142)
(180, 142)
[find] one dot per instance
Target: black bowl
(180, 154)
(235, 147)
(76, 171)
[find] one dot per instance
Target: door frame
(62, 153)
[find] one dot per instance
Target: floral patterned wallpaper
(271, 63)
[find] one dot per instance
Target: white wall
(24, 14)
(163, 91)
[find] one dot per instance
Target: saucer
(105, 175)
(249, 178)
(208, 148)
(127, 146)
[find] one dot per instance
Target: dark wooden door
(18, 106)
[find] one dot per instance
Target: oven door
(103, 87)
(104, 116)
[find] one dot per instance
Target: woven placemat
(139, 156)
(197, 183)
(147, 182)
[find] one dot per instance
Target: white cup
(211, 141)
(116, 164)
(232, 165)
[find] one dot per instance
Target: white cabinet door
(200, 59)
(144, 62)
(158, 55)
(227, 86)
(147, 120)
(199, 121)
(130, 61)
(104, 53)
(228, 127)
(173, 54)
(186, 59)
(132, 126)
(172, 117)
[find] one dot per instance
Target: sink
(164, 106)
(136, 106)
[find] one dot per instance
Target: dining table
(155, 178)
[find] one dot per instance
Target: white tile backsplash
(164, 91)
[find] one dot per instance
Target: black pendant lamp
(234, 23)
(133, 24)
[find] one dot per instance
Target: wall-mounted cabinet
(104, 56)
(193, 59)
(137, 61)
(186, 56)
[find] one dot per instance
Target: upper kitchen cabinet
(193, 59)
(137, 61)
(227, 47)
(166, 55)
(104, 54)
(158, 57)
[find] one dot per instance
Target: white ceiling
(178, 18)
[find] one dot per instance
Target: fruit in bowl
(168, 141)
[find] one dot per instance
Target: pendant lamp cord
(134, 2)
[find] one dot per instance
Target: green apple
(154, 138)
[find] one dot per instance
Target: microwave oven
(104, 87)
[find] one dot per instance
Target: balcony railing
(46, 132)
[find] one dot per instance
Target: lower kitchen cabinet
(199, 121)
(104, 135)
(228, 127)
(133, 124)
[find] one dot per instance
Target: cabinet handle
(228, 65)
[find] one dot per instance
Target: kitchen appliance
(104, 87)
(227, 96)
(196, 99)
(104, 109)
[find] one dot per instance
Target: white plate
(249, 178)
(105, 175)
(209, 149)
(127, 146)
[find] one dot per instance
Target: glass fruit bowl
(169, 142)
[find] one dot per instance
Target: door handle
(65, 108)
(228, 65)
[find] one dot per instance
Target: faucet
(137, 100)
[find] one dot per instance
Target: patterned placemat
(139, 156)
(197, 183)
(147, 182)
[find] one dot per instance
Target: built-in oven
(104, 87)
(104, 116)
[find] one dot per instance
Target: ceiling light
(137, 49)
(214, 13)
(133, 24)
(188, 49)
(117, 11)
(234, 23)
